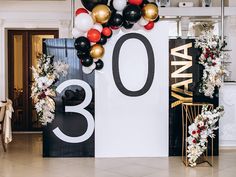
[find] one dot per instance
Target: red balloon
(149, 26)
(81, 10)
(107, 32)
(135, 2)
(93, 35)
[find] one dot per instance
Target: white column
(228, 121)
(184, 26)
(230, 33)
(2, 62)
(65, 29)
(232, 38)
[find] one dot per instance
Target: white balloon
(76, 33)
(119, 12)
(86, 70)
(93, 66)
(119, 5)
(142, 21)
(98, 27)
(83, 22)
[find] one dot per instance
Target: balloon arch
(95, 24)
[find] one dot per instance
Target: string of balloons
(96, 23)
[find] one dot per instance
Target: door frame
(11, 78)
(27, 63)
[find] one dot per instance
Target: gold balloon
(150, 12)
(101, 14)
(97, 51)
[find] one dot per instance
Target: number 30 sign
(131, 97)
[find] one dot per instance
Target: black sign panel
(69, 123)
(184, 79)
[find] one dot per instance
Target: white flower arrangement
(202, 128)
(212, 58)
(45, 75)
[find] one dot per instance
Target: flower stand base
(189, 112)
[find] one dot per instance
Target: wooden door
(24, 46)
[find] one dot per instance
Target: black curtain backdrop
(72, 124)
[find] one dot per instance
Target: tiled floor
(24, 159)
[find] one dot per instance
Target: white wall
(228, 121)
(30, 15)
(230, 33)
(197, 3)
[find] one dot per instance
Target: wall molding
(28, 20)
(227, 144)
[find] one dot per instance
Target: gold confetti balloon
(97, 51)
(150, 12)
(101, 14)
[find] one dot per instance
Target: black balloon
(105, 25)
(111, 6)
(144, 3)
(127, 25)
(90, 4)
(82, 44)
(153, 3)
(103, 40)
(157, 19)
(132, 13)
(99, 64)
(82, 54)
(88, 61)
(116, 20)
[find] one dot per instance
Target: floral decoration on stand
(202, 128)
(92, 30)
(212, 58)
(45, 75)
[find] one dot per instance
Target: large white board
(133, 126)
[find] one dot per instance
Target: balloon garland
(92, 29)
